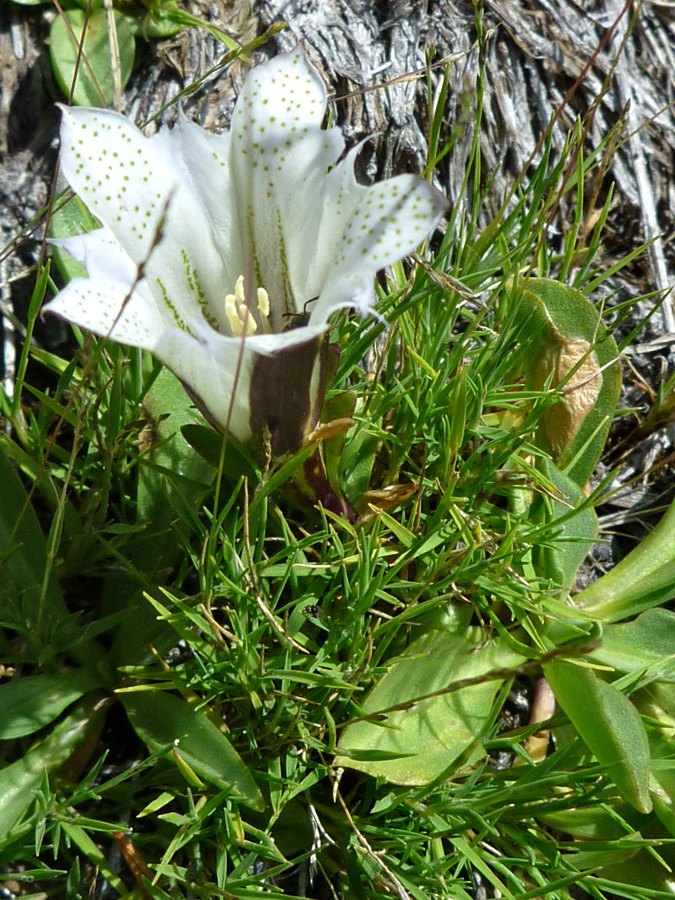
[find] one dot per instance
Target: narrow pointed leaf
(20, 781)
(33, 701)
(609, 725)
(160, 719)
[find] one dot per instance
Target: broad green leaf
(171, 466)
(20, 781)
(29, 600)
(209, 444)
(663, 797)
(160, 719)
(172, 480)
(657, 704)
(96, 50)
(566, 331)
(357, 461)
(648, 640)
(594, 823)
(416, 744)
(23, 559)
(574, 536)
(609, 725)
(621, 849)
(648, 874)
(643, 579)
(32, 701)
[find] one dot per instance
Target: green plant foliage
(643, 579)
(570, 346)
(21, 781)
(29, 591)
(29, 703)
(163, 720)
(270, 699)
(419, 741)
(646, 643)
(610, 726)
(71, 217)
(87, 77)
(573, 524)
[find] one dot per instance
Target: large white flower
(213, 246)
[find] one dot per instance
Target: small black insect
(298, 320)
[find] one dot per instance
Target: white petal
(104, 307)
(205, 161)
(102, 302)
(143, 189)
(269, 344)
(217, 370)
(280, 156)
(393, 217)
(101, 255)
(312, 254)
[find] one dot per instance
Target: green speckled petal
(391, 219)
(104, 302)
(144, 191)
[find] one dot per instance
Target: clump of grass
(204, 644)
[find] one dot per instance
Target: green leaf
(209, 443)
(171, 467)
(20, 781)
(643, 579)
(574, 535)
(592, 823)
(340, 406)
(415, 745)
(94, 85)
(172, 480)
(609, 725)
(648, 640)
(158, 23)
(23, 559)
(32, 701)
(160, 719)
(357, 461)
(658, 703)
(566, 329)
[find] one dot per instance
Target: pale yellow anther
(263, 303)
(238, 312)
(239, 294)
(247, 319)
(236, 325)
